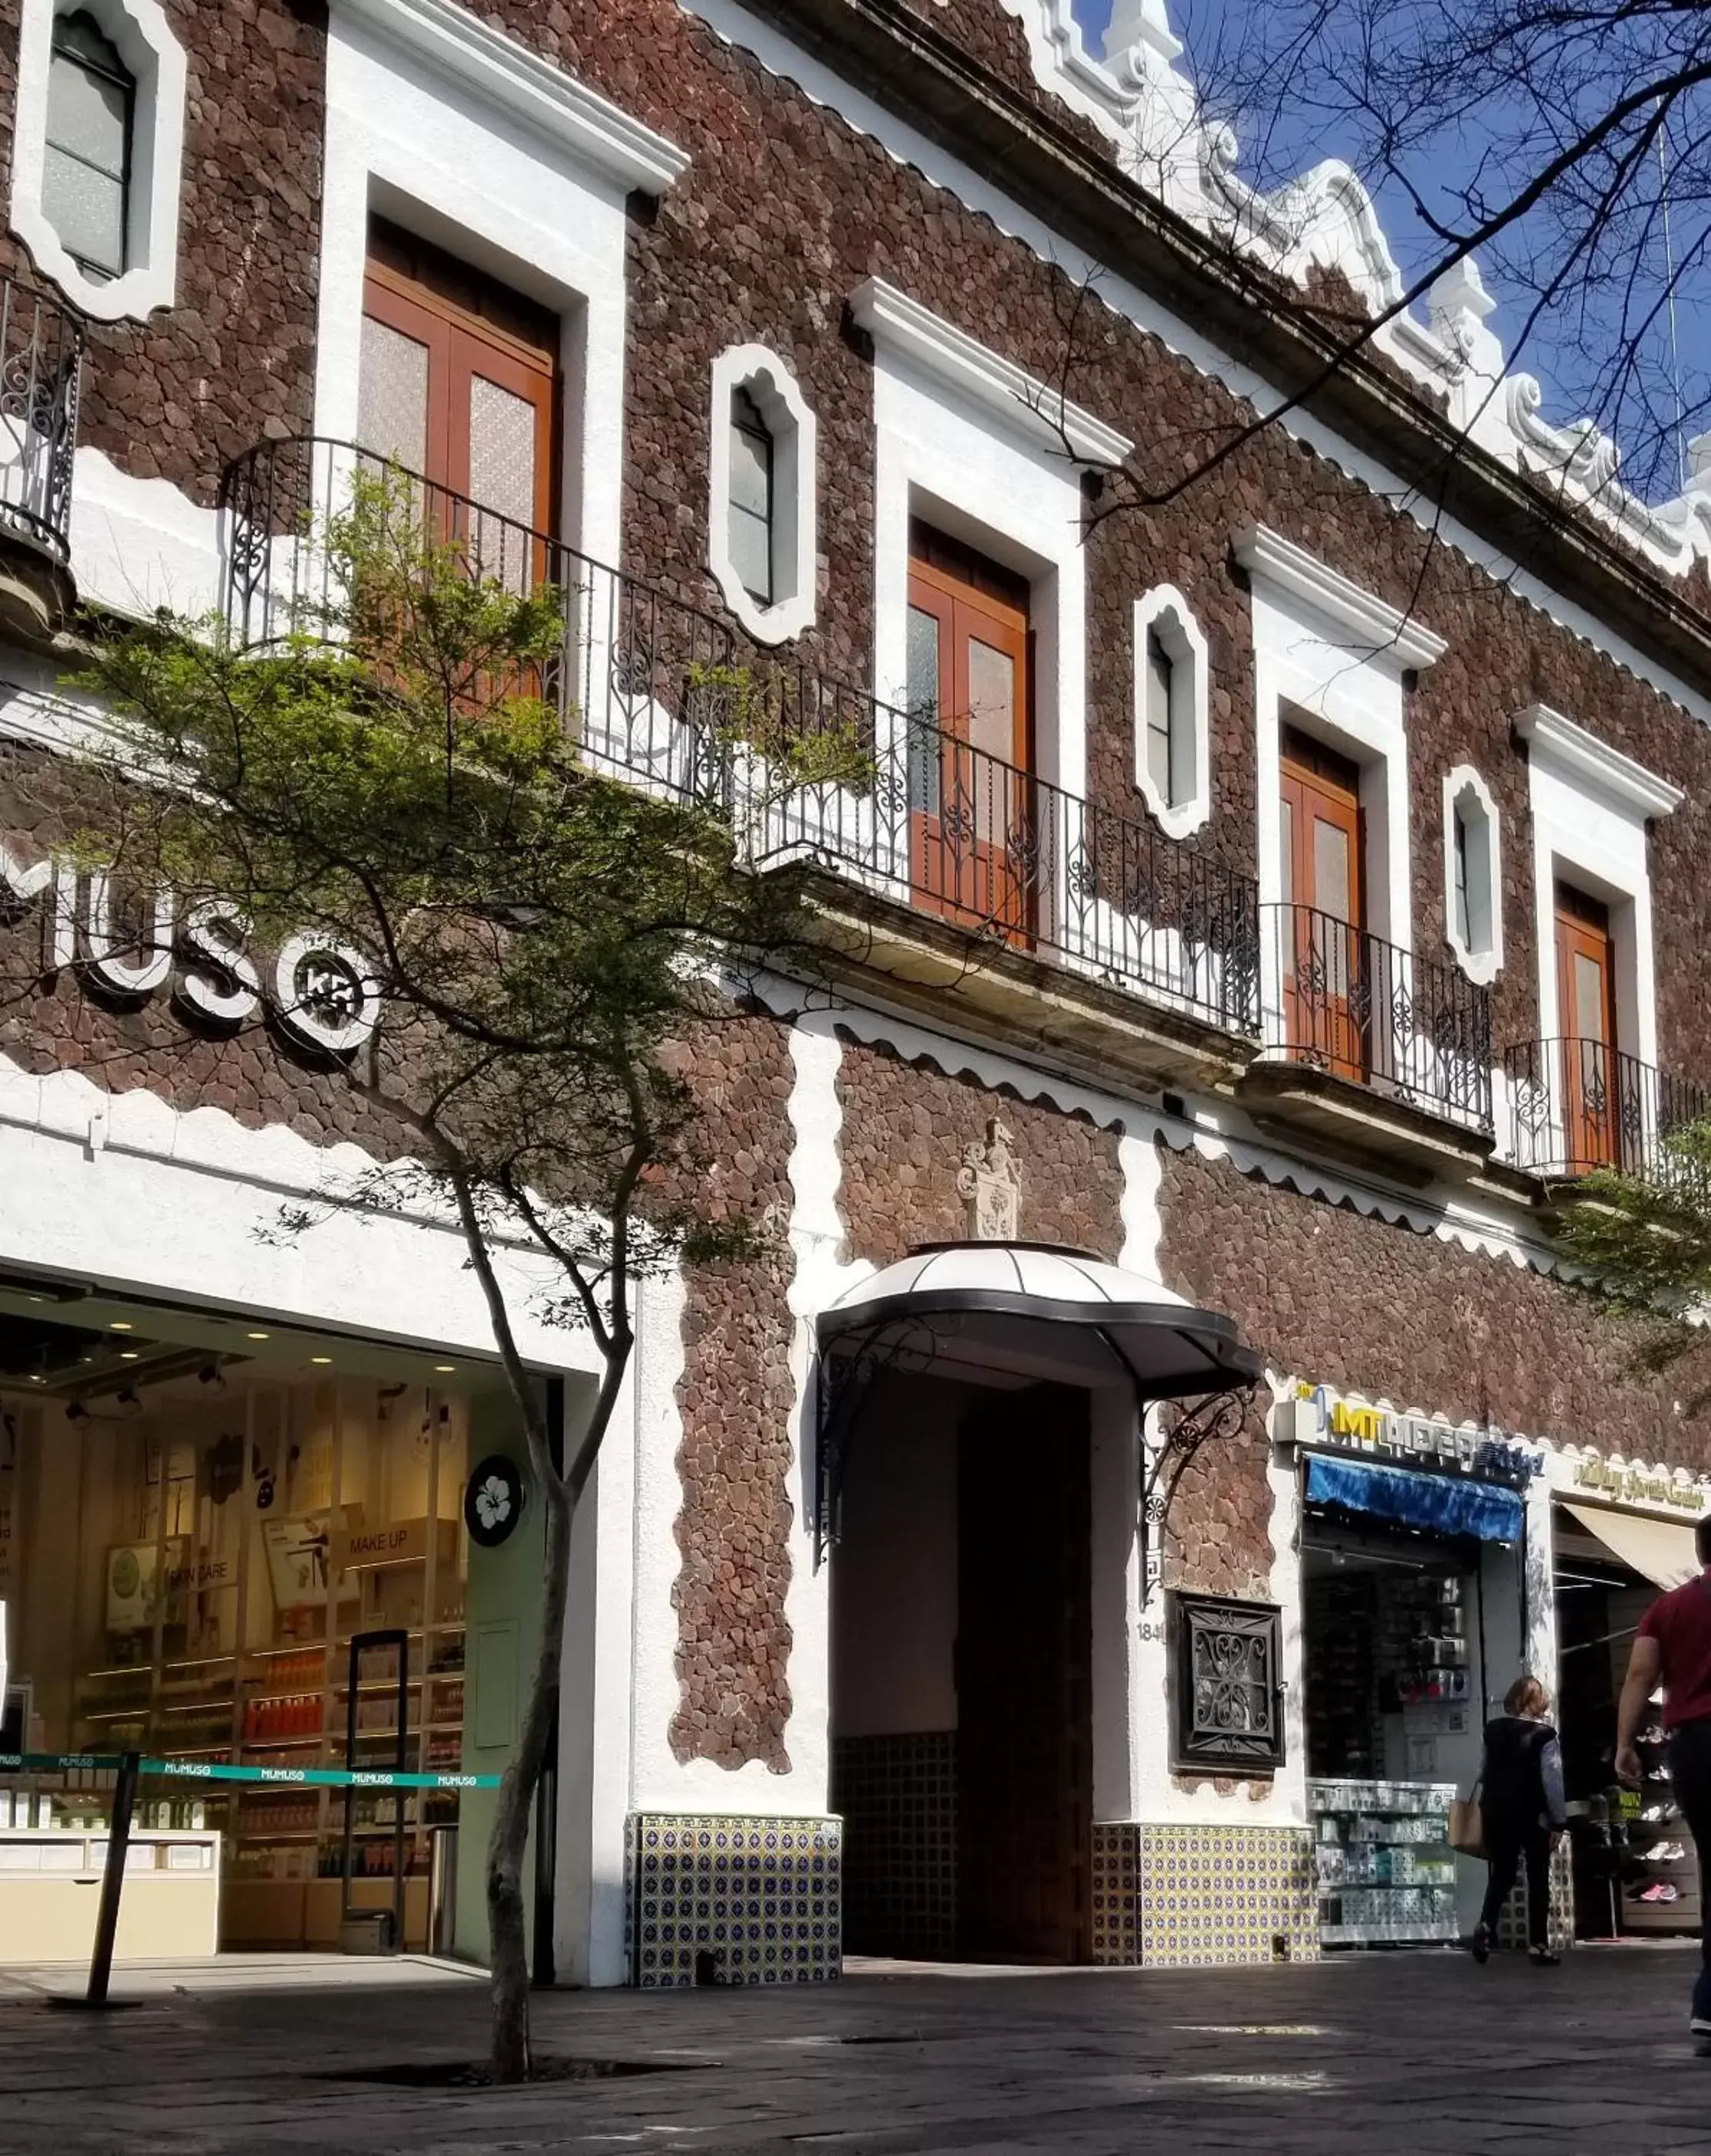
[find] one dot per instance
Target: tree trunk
(508, 1843)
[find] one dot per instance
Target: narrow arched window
(86, 170)
(751, 505)
(1165, 755)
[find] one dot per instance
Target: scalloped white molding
(1583, 757)
(1372, 622)
(984, 376)
(1168, 615)
(145, 44)
(511, 75)
(795, 491)
(1484, 963)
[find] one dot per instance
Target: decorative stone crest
(989, 1181)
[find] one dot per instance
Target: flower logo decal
(493, 1500)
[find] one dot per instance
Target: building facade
(1276, 889)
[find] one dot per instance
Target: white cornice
(1371, 621)
(520, 82)
(1586, 759)
(902, 325)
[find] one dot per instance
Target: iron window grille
(1228, 1708)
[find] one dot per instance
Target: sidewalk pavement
(1399, 2053)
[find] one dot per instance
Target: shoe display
(1665, 1852)
(1660, 1891)
(1653, 1813)
(1659, 1774)
(1654, 1735)
(1543, 1958)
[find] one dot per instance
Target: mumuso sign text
(1323, 1419)
(317, 989)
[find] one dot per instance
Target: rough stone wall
(231, 363)
(905, 1126)
(735, 1398)
(1335, 1297)
(1218, 1538)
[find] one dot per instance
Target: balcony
(41, 365)
(1115, 947)
(1382, 1053)
(1578, 1106)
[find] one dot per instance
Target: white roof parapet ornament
(1372, 623)
(897, 323)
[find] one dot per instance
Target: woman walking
(1523, 1813)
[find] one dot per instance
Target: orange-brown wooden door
(459, 382)
(1325, 991)
(972, 848)
(1585, 988)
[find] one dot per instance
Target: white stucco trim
(141, 544)
(1621, 782)
(1590, 806)
(423, 141)
(978, 375)
(1168, 615)
(1388, 633)
(1466, 794)
(139, 28)
(795, 491)
(526, 88)
(946, 456)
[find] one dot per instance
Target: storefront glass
(191, 1555)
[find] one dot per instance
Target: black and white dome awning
(1018, 1311)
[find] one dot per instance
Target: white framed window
(1173, 728)
(97, 152)
(761, 506)
(1473, 880)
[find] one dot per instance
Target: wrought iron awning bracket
(845, 1374)
(1217, 1416)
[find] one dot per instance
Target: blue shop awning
(1435, 1504)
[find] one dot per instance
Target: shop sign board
(1324, 1420)
(321, 991)
(1639, 1485)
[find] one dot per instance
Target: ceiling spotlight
(445, 1369)
(257, 1335)
(127, 1354)
(121, 1325)
(320, 1358)
(37, 1378)
(210, 1374)
(127, 1398)
(75, 1411)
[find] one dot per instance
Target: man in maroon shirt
(1673, 1648)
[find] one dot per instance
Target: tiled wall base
(762, 1896)
(1183, 1896)
(898, 1798)
(1511, 1924)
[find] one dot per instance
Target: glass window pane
(1589, 1004)
(502, 450)
(1330, 868)
(88, 114)
(86, 208)
(392, 395)
(1159, 759)
(1463, 912)
(1285, 841)
(751, 472)
(992, 700)
(751, 540)
(921, 694)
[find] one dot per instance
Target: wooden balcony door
(1326, 989)
(1585, 988)
(972, 845)
(459, 382)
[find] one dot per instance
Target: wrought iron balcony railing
(663, 694)
(1575, 1105)
(41, 365)
(1347, 1002)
